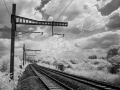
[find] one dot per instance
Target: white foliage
(5, 82)
(94, 69)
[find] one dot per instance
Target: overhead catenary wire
(82, 21)
(6, 8)
(89, 27)
(79, 22)
(63, 11)
(93, 24)
(57, 8)
(54, 11)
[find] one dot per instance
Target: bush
(115, 60)
(113, 51)
(113, 56)
(114, 69)
(4, 64)
(73, 61)
(46, 62)
(69, 66)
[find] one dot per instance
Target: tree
(115, 61)
(95, 57)
(92, 57)
(112, 51)
(113, 56)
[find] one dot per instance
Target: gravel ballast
(29, 81)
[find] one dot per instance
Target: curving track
(67, 81)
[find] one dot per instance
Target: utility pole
(23, 54)
(13, 29)
(25, 57)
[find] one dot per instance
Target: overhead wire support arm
(59, 34)
(24, 32)
(28, 32)
(31, 55)
(32, 50)
(27, 21)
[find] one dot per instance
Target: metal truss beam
(27, 21)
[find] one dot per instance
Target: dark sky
(110, 7)
(43, 3)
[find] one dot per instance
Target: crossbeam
(28, 32)
(31, 55)
(27, 21)
(24, 32)
(58, 34)
(31, 50)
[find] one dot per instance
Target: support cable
(53, 13)
(63, 11)
(92, 25)
(6, 8)
(89, 27)
(56, 8)
(82, 21)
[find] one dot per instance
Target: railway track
(75, 82)
(49, 82)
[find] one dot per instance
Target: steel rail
(53, 79)
(40, 78)
(91, 82)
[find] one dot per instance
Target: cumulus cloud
(5, 32)
(110, 7)
(39, 35)
(23, 7)
(4, 47)
(113, 22)
(78, 10)
(102, 40)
